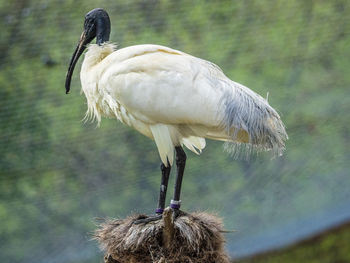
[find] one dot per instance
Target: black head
(96, 24)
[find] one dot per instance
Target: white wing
(178, 99)
(161, 85)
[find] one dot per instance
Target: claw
(147, 220)
(177, 213)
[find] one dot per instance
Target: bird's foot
(175, 208)
(148, 219)
(177, 213)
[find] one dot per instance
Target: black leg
(175, 203)
(162, 195)
(163, 187)
(180, 164)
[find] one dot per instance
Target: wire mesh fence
(57, 174)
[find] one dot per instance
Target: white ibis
(171, 97)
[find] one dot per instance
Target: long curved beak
(77, 53)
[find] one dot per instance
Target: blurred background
(58, 174)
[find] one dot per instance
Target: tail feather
(165, 145)
(168, 136)
(195, 144)
(245, 110)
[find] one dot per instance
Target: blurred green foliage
(57, 173)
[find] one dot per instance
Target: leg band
(175, 204)
(159, 211)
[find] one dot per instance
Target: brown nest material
(190, 238)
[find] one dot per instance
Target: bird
(174, 98)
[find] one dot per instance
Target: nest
(189, 238)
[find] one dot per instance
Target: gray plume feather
(248, 111)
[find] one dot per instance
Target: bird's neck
(103, 29)
(96, 54)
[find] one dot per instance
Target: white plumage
(171, 97)
(176, 99)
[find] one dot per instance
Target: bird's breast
(99, 102)
(102, 104)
